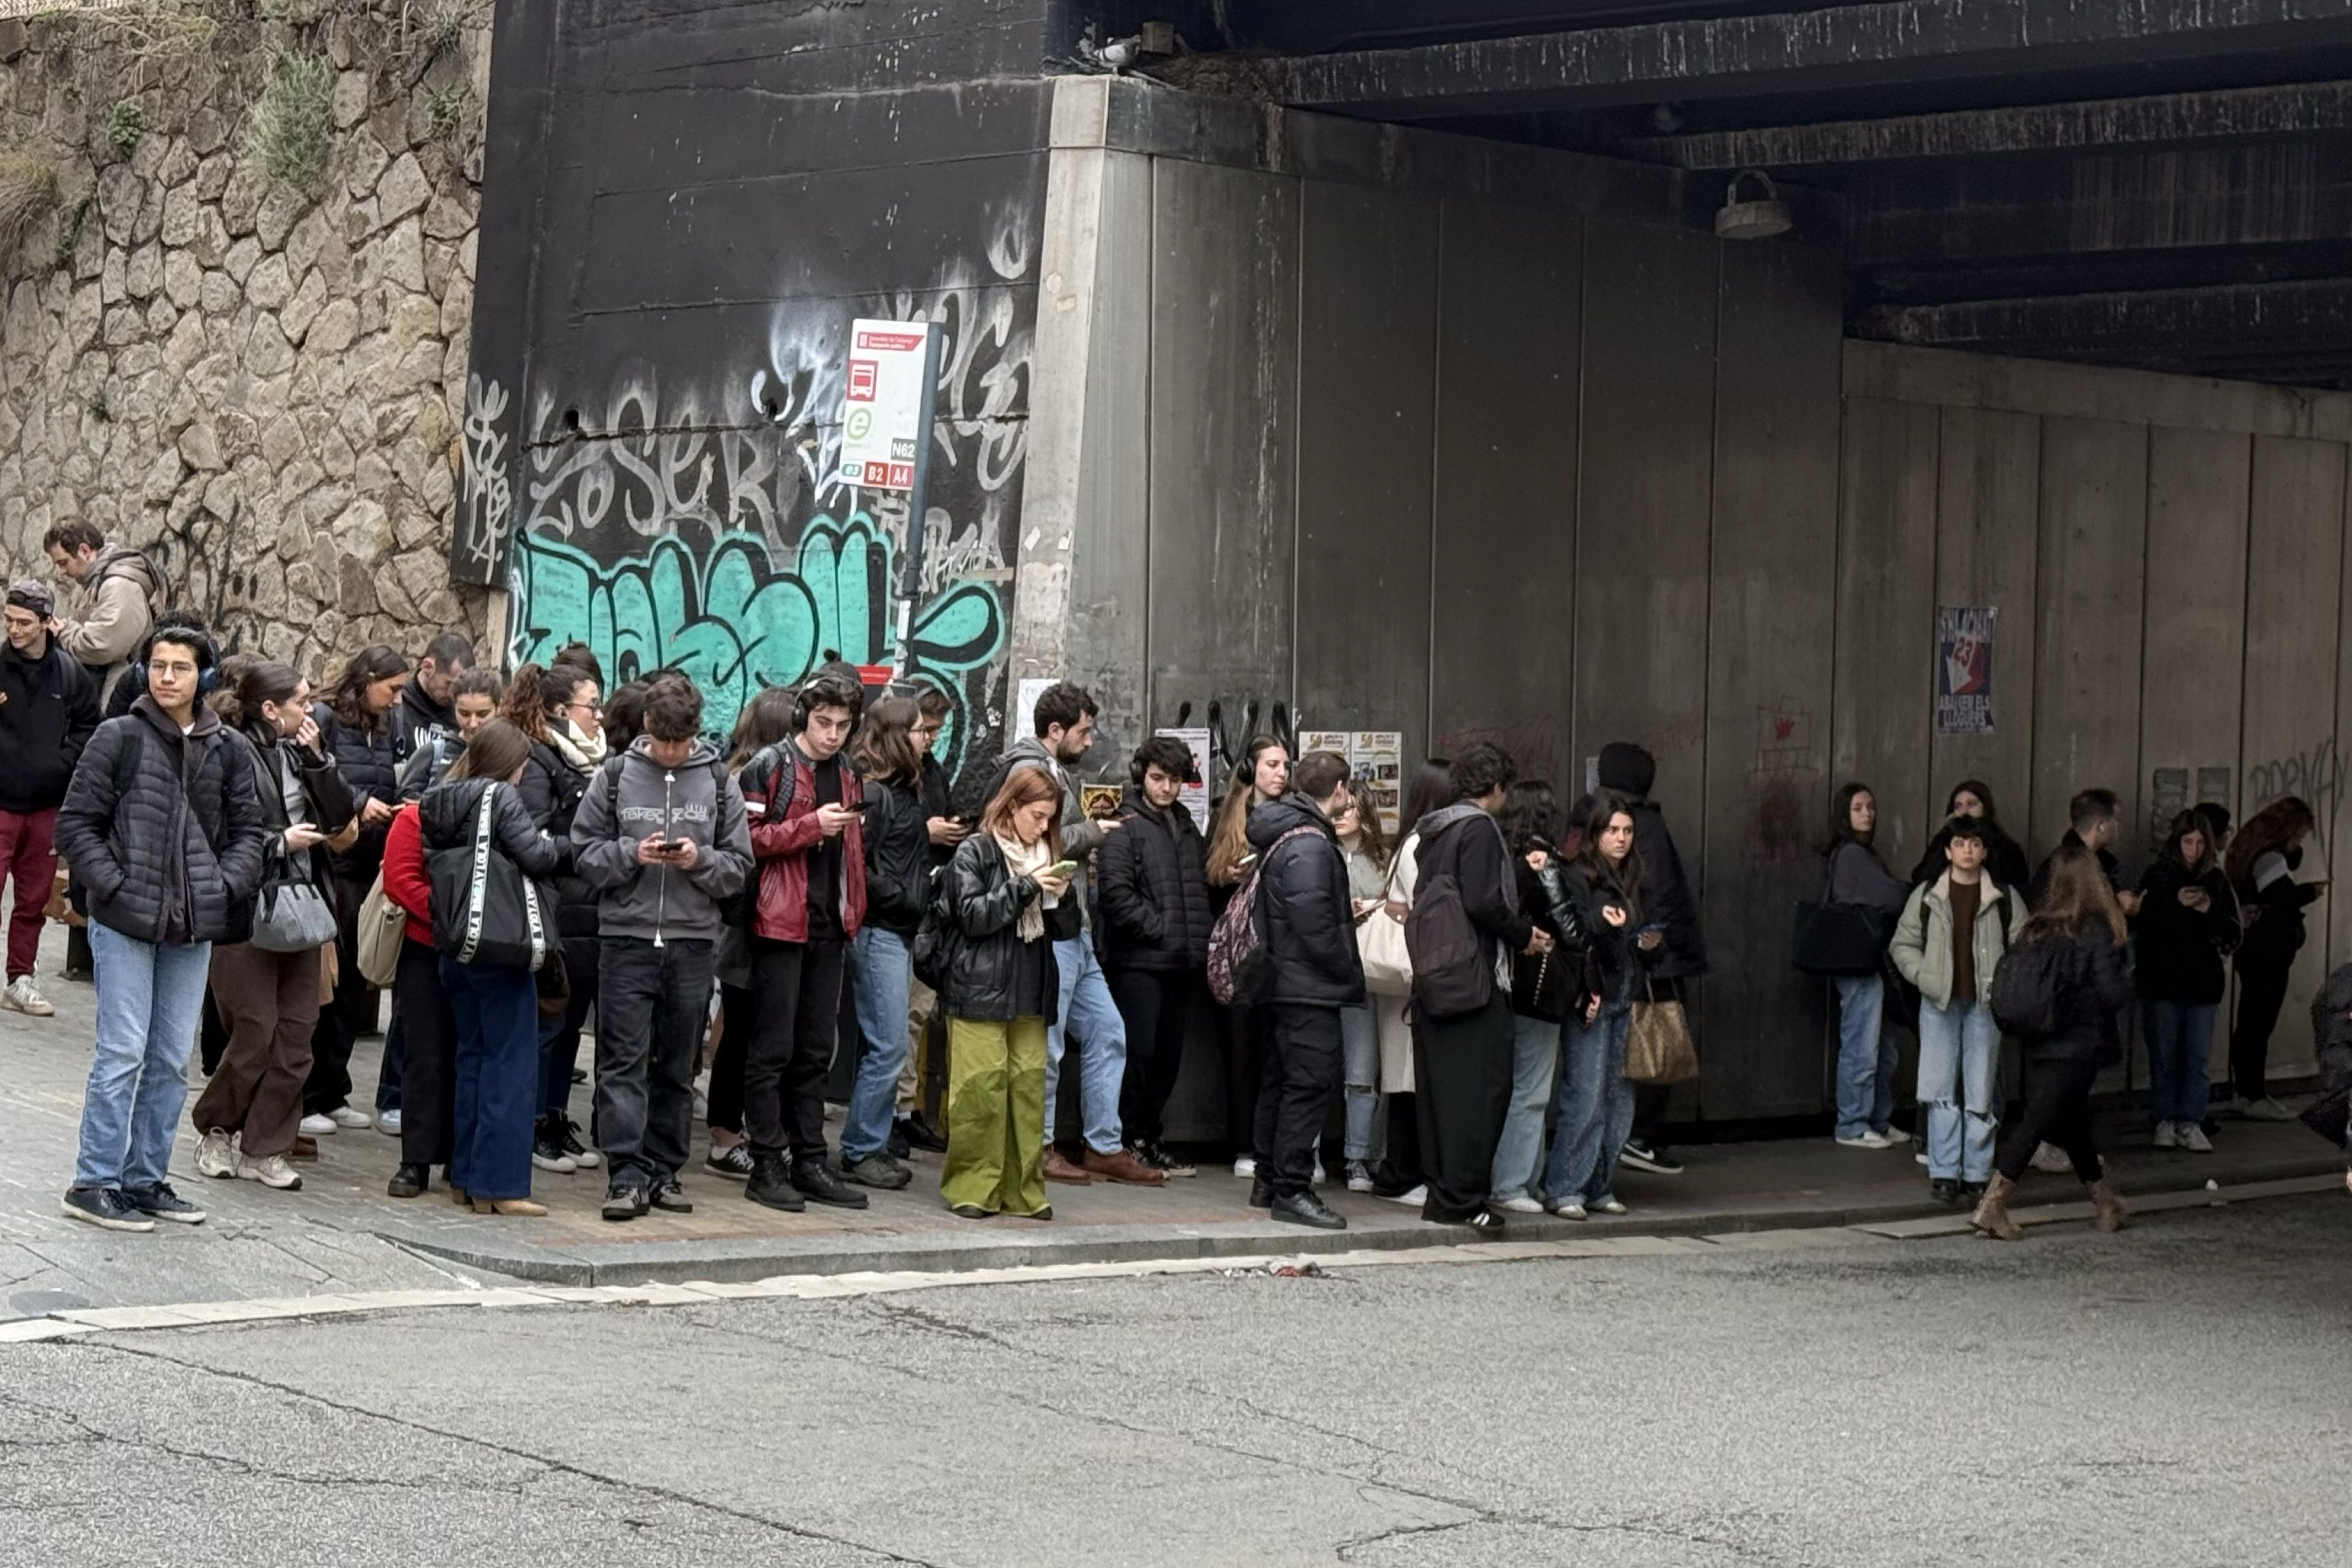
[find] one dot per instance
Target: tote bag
(1658, 1047)
(1379, 943)
(380, 927)
(1837, 939)
(485, 911)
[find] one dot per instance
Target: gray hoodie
(632, 795)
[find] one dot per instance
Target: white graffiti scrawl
(487, 501)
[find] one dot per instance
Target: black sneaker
(1945, 1190)
(734, 1162)
(1154, 1153)
(1261, 1193)
(567, 1135)
(817, 1184)
(877, 1171)
(669, 1197)
(626, 1200)
(1306, 1208)
(409, 1182)
(897, 1146)
(104, 1207)
(1644, 1157)
(920, 1134)
(547, 1150)
(772, 1182)
(160, 1202)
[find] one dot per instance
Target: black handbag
(485, 911)
(1539, 988)
(1841, 939)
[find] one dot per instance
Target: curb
(741, 1261)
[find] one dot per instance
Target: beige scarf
(582, 751)
(1031, 861)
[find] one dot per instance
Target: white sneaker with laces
(2268, 1108)
(1607, 1205)
(351, 1116)
(26, 997)
(2168, 1136)
(1245, 1168)
(388, 1123)
(1861, 1141)
(217, 1154)
(2193, 1138)
(2050, 1158)
(316, 1126)
(1415, 1198)
(271, 1171)
(1521, 1205)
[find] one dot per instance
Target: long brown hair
(1023, 786)
(1229, 835)
(2274, 828)
(883, 748)
(494, 752)
(2078, 892)
(1369, 837)
(1625, 874)
(363, 669)
(536, 694)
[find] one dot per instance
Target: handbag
(485, 911)
(553, 983)
(1841, 939)
(1380, 944)
(1539, 988)
(382, 925)
(1658, 1047)
(291, 917)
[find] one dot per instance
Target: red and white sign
(882, 409)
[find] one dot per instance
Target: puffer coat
(1151, 888)
(369, 760)
(165, 830)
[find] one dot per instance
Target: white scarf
(582, 751)
(1031, 861)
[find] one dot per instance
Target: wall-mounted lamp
(1755, 219)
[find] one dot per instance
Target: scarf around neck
(1031, 861)
(582, 752)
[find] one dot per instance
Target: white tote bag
(1380, 939)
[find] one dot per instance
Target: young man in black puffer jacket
(1308, 921)
(1153, 931)
(162, 823)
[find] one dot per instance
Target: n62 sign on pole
(888, 401)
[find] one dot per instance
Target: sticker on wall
(1964, 669)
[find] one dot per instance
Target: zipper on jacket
(669, 826)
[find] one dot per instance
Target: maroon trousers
(28, 858)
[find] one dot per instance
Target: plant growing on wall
(28, 189)
(292, 128)
(126, 123)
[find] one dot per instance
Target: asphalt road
(2175, 1394)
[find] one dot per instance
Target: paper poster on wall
(1375, 757)
(1194, 796)
(1964, 669)
(1024, 707)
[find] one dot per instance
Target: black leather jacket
(898, 856)
(985, 975)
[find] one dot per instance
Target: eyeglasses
(584, 708)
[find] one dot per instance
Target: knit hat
(29, 594)
(1627, 769)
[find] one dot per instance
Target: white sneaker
(2193, 1138)
(1607, 1205)
(561, 1164)
(1861, 1141)
(388, 1123)
(217, 1154)
(352, 1116)
(316, 1126)
(1360, 1176)
(1244, 1168)
(2165, 1137)
(1569, 1208)
(1521, 1205)
(2267, 1109)
(2050, 1158)
(271, 1171)
(1319, 1176)
(1413, 1199)
(26, 997)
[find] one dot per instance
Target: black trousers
(738, 1015)
(653, 1003)
(1243, 1032)
(1304, 1065)
(559, 1046)
(2261, 992)
(1400, 1164)
(212, 1038)
(345, 1014)
(428, 1063)
(798, 1024)
(1461, 1079)
(1156, 1005)
(2058, 1111)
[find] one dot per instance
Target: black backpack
(1449, 975)
(2026, 987)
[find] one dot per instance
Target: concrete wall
(694, 202)
(1357, 428)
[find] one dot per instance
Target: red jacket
(405, 881)
(780, 849)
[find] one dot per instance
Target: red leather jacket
(780, 842)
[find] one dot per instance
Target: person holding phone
(2188, 920)
(1592, 1106)
(897, 891)
(1002, 986)
(2263, 861)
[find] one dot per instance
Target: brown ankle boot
(1991, 1215)
(2110, 1215)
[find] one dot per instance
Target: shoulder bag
(485, 911)
(1658, 1047)
(382, 926)
(1380, 944)
(1840, 939)
(289, 913)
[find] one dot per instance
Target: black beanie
(1627, 769)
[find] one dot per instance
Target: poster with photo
(1964, 669)
(1375, 757)
(1194, 796)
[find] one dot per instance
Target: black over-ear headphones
(823, 690)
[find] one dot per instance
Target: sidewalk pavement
(342, 1233)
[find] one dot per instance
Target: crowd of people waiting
(256, 861)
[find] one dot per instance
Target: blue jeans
(2179, 1045)
(878, 959)
(1535, 1054)
(1592, 1109)
(1360, 1055)
(1102, 1045)
(1959, 1042)
(1865, 1066)
(151, 1002)
(494, 1098)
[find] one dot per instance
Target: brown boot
(1992, 1215)
(1059, 1169)
(1122, 1166)
(2110, 1215)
